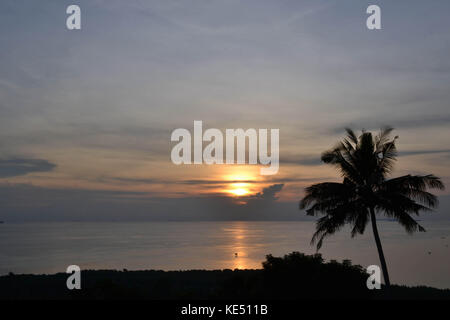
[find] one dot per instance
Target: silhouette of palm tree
(364, 162)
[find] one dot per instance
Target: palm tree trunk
(379, 248)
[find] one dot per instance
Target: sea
(45, 248)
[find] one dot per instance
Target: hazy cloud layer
(30, 203)
(422, 121)
(101, 103)
(18, 167)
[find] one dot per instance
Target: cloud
(204, 182)
(111, 104)
(19, 166)
(305, 160)
(422, 121)
(270, 192)
(24, 202)
(422, 152)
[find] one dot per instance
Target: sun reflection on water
(239, 246)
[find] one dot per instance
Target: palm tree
(364, 163)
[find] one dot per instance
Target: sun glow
(241, 182)
(239, 189)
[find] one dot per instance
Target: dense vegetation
(295, 276)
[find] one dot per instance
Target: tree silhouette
(364, 163)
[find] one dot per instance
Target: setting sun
(240, 182)
(239, 191)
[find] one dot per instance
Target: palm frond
(326, 195)
(351, 135)
(413, 187)
(359, 225)
(409, 223)
(325, 226)
(364, 162)
(382, 137)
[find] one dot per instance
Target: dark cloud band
(19, 166)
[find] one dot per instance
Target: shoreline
(293, 277)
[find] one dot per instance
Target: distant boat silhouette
(2, 221)
(235, 254)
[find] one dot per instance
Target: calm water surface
(423, 258)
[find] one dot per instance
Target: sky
(86, 115)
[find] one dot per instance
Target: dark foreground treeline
(295, 276)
